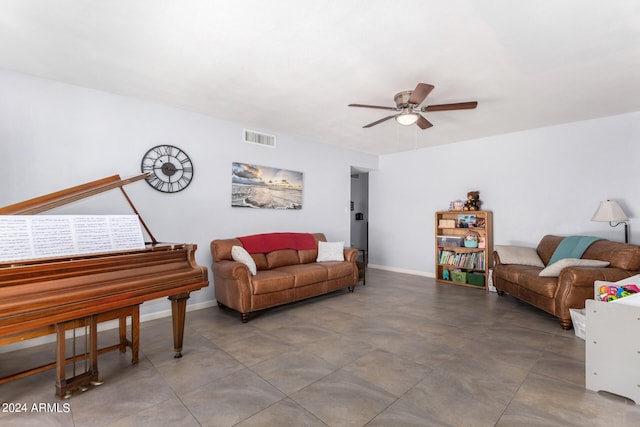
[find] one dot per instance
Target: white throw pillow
(330, 251)
(554, 269)
(518, 255)
(240, 254)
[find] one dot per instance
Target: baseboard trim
(402, 270)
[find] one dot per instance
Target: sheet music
(15, 238)
(41, 236)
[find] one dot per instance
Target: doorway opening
(359, 215)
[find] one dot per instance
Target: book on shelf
(465, 260)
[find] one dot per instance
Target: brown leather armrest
(230, 269)
(351, 254)
(585, 276)
(575, 286)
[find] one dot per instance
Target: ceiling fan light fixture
(407, 110)
(407, 117)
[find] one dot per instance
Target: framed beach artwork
(263, 187)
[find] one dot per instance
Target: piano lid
(73, 194)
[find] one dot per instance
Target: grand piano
(59, 294)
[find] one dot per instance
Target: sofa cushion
(519, 255)
(282, 257)
(512, 272)
(531, 280)
(271, 281)
(239, 254)
(338, 269)
(306, 274)
(261, 261)
(330, 251)
(307, 256)
(554, 269)
(620, 255)
(547, 247)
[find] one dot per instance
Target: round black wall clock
(171, 169)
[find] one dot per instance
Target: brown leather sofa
(283, 275)
(574, 285)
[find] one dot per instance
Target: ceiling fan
(408, 110)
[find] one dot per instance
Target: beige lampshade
(609, 211)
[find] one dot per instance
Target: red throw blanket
(263, 243)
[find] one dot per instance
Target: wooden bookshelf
(456, 263)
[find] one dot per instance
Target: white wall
(54, 136)
(536, 182)
(543, 181)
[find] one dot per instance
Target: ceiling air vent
(253, 137)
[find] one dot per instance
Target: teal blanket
(572, 247)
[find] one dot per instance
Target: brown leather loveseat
(286, 269)
(573, 284)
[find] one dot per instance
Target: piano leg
(178, 313)
(122, 331)
(135, 334)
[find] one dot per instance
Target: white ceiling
(292, 66)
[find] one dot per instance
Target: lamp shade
(609, 211)
(407, 118)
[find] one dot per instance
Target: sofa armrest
(232, 284)
(575, 286)
(230, 269)
(584, 277)
(496, 258)
(351, 254)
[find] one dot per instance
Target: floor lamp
(612, 213)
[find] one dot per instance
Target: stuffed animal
(473, 201)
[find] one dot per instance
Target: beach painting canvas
(264, 187)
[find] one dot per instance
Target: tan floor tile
(562, 402)
(402, 413)
(293, 370)
(168, 413)
(254, 348)
(342, 399)
(387, 371)
(284, 413)
(231, 399)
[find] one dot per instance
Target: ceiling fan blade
(373, 106)
(379, 121)
(419, 94)
(423, 123)
(455, 106)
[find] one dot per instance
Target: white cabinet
(612, 359)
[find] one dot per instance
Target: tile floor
(401, 351)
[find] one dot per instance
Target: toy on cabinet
(473, 201)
